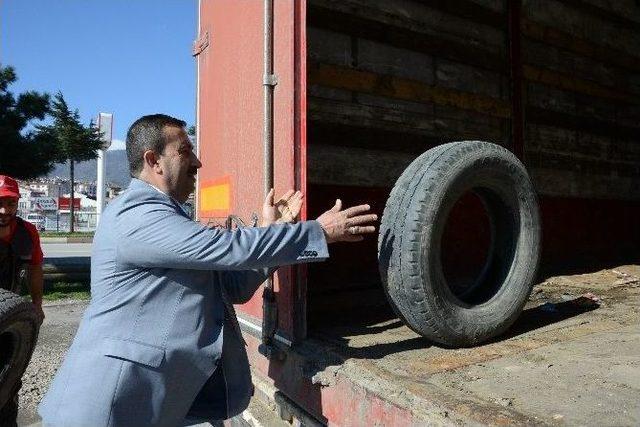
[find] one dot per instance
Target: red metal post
(515, 64)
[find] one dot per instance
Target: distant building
(48, 187)
(39, 187)
(49, 198)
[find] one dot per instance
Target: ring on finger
(353, 230)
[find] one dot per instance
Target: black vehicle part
(409, 245)
(19, 328)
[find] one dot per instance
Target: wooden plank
(443, 123)
(568, 142)
(367, 137)
(586, 124)
(564, 40)
(583, 184)
(404, 37)
(543, 55)
(569, 162)
(412, 15)
(410, 90)
(602, 13)
(593, 27)
(336, 165)
(575, 84)
(375, 115)
(470, 11)
(357, 123)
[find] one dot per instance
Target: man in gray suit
(158, 342)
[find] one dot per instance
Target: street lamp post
(105, 125)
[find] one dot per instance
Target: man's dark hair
(146, 133)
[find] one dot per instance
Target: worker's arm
(36, 289)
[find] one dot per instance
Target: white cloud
(117, 144)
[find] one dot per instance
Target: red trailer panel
(230, 118)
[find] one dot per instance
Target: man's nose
(196, 162)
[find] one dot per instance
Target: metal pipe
(196, 207)
(269, 306)
(267, 134)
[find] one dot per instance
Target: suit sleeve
(239, 286)
(159, 237)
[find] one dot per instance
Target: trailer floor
(567, 360)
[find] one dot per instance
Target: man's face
(179, 163)
(8, 210)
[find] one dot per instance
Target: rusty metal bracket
(254, 219)
(234, 220)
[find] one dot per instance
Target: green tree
(24, 152)
(74, 141)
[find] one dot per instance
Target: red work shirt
(36, 252)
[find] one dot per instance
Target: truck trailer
(498, 141)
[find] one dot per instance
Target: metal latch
(201, 44)
(270, 80)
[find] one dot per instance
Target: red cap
(9, 187)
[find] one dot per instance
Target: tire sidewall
(390, 237)
(20, 320)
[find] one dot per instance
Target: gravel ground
(57, 332)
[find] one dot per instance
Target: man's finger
(361, 229)
(362, 219)
(268, 201)
(355, 210)
(337, 207)
(354, 238)
(295, 203)
(286, 196)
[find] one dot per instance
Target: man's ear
(151, 161)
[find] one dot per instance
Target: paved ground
(56, 334)
(63, 250)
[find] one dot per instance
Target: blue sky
(127, 57)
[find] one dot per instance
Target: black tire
(19, 328)
(410, 236)
(393, 219)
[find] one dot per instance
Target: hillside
(117, 169)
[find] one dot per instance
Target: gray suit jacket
(154, 331)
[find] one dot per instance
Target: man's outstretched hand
(285, 210)
(349, 225)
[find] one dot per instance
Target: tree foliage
(73, 141)
(24, 152)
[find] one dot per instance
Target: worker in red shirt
(20, 265)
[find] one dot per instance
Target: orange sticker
(215, 198)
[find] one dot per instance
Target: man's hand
(347, 225)
(285, 210)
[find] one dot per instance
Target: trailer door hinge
(200, 44)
